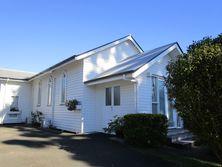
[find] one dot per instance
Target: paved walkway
(22, 146)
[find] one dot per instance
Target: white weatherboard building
(114, 79)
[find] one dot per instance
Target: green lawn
(183, 157)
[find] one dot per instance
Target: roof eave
(14, 79)
(86, 54)
(109, 76)
(145, 66)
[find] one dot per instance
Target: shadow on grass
(98, 150)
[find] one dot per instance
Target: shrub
(145, 129)
(115, 126)
(195, 82)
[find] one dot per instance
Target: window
(108, 96)
(14, 106)
(158, 96)
(154, 95)
(39, 93)
(116, 95)
(161, 88)
(49, 99)
(170, 113)
(63, 89)
(113, 96)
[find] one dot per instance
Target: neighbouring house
(116, 78)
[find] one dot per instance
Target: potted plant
(37, 118)
(14, 109)
(73, 105)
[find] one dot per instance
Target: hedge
(145, 129)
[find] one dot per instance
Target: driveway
(23, 146)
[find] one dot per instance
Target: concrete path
(22, 146)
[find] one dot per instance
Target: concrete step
(176, 135)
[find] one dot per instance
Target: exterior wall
(77, 73)
(99, 62)
(106, 113)
(144, 85)
(144, 88)
(94, 65)
(23, 91)
(63, 118)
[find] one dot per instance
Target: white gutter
(128, 78)
(54, 69)
(15, 80)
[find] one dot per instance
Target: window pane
(154, 108)
(161, 97)
(63, 89)
(154, 89)
(170, 113)
(14, 104)
(116, 95)
(50, 92)
(108, 96)
(39, 93)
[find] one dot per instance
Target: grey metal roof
(15, 74)
(133, 63)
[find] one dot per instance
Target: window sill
(14, 112)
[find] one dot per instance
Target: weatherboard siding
(144, 84)
(106, 113)
(63, 118)
(103, 60)
(23, 91)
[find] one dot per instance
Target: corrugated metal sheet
(14, 74)
(133, 63)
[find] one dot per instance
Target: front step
(176, 135)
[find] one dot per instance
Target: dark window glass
(108, 96)
(161, 97)
(116, 95)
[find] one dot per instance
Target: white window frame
(63, 78)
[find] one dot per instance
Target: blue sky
(35, 34)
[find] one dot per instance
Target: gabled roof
(133, 63)
(90, 52)
(15, 74)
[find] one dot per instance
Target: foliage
(145, 129)
(36, 118)
(195, 82)
(115, 126)
(71, 104)
(14, 109)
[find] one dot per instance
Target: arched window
(49, 99)
(63, 88)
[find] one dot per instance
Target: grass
(182, 158)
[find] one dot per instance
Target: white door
(112, 104)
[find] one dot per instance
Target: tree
(194, 81)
